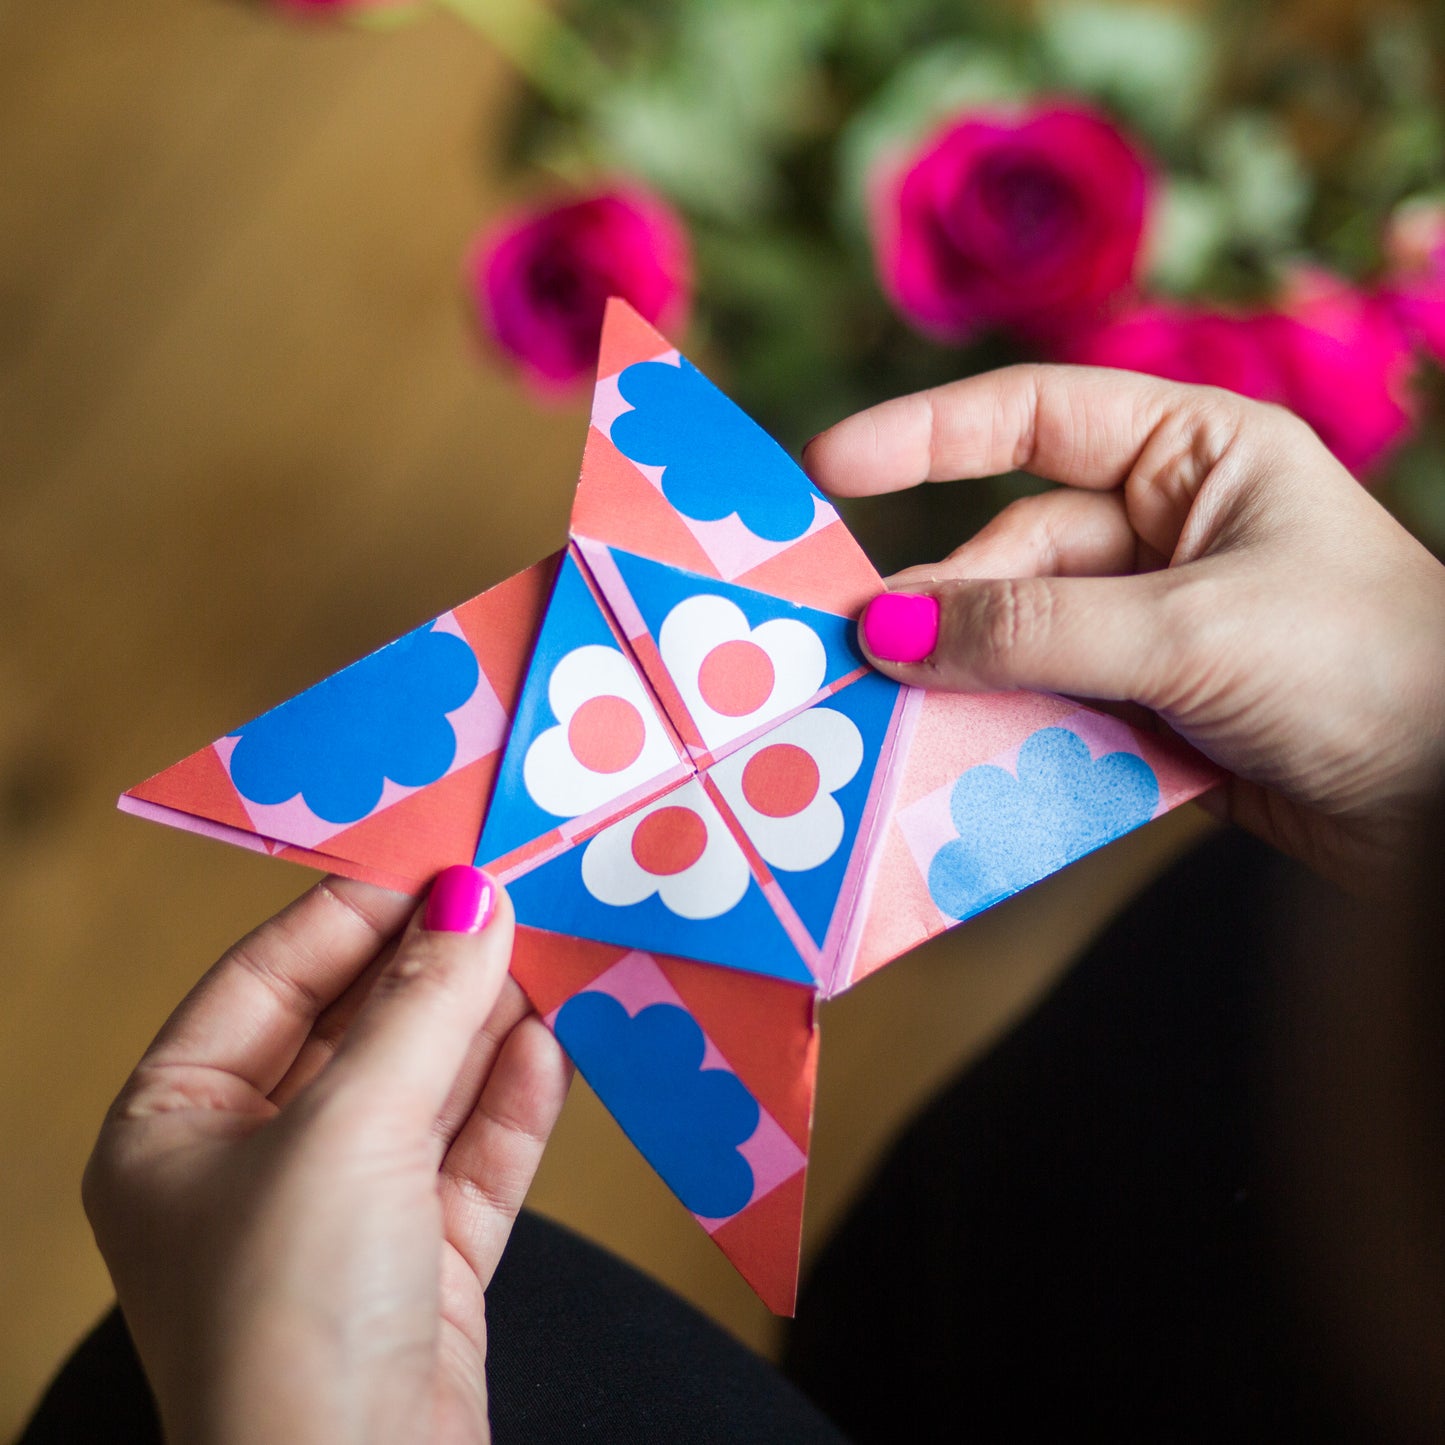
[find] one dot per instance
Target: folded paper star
(710, 813)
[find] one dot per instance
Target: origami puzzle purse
(710, 813)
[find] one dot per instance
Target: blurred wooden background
(246, 436)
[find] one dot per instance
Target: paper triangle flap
(617, 502)
(694, 1112)
(425, 832)
(764, 1028)
(627, 338)
(997, 792)
(551, 967)
(806, 794)
(198, 785)
(718, 487)
(764, 1244)
(321, 774)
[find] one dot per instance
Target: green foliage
(1155, 66)
(707, 120)
(766, 121)
(1265, 190)
(1187, 236)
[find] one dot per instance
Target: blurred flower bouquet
(856, 198)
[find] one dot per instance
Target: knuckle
(1023, 512)
(287, 985)
(1007, 617)
(486, 1196)
(108, 1178)
(426, 964)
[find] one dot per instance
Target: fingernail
(462, 900)
(901, 626)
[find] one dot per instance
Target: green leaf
(756, 53)
(1156, 65)
(1416, 491)
(1266, 189)
(699, 154)
(709, 112)
(1188, 226)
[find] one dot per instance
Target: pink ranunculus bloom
(1414, 284)
(540, 279)
(1331, 353)
(1348, 367)
(1030, 221)
(1207, 348)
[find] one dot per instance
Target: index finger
(253, 1010)
(1081, 425)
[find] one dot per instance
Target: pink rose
(1333, 354)
(540, 280)
(1347, 367)
(1030, 221)
(1207, 348)
(1414, 285)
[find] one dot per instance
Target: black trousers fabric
(581, 1347)
(1074, 1241)
(1080, 1239)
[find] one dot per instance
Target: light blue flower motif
(1012, 831)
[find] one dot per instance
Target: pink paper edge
(867, 852)
(190, 823)
(608, 577)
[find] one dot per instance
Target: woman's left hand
(305, 1186)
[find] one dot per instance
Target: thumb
(1100, 637)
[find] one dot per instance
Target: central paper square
(690, 769)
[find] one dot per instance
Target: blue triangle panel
(657, 588)
(717, 461)
(747, 937)
(869, 705)
(573, 619)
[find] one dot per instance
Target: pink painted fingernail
(901, 626)
(462, 900)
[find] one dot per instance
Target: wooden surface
(245, 436)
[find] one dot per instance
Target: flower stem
(552, 57)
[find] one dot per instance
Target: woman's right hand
(1207, 558)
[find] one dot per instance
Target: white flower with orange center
(608, 738)
(677, 847)
(781, 787)
(733, 678)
